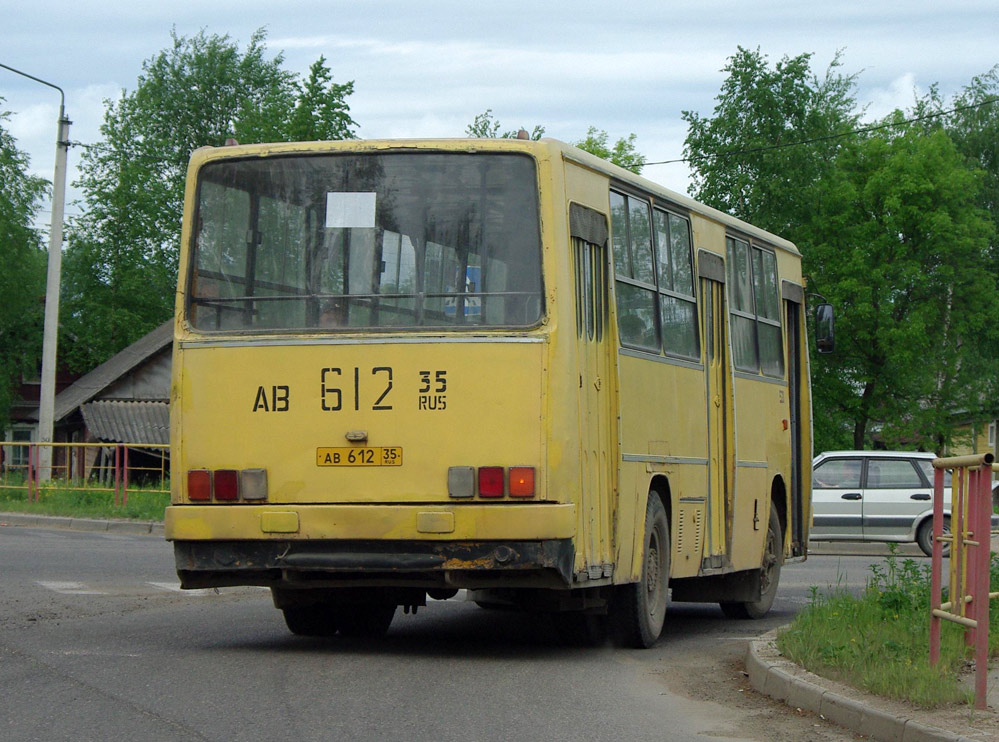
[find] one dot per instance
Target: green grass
(879, 641)
(142, 504)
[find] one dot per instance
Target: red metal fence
(99, 467)
(970, 557)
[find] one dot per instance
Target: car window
(892, 474)
(927, 466)
(836, 474)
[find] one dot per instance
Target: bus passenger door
(595, 396)
(795, 373)
(714, 319)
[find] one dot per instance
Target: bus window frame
(668, 208)
(191, 251)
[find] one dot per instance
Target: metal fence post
(970, 556)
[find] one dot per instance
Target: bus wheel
(773, 557)
(578, 629)
(366, 620)
(640, 609)
(311, 620)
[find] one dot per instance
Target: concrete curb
(28, 520)
(782, 680)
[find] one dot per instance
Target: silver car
(876, 496)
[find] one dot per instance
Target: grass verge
(879, 641)
(142, 504)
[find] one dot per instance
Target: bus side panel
(664, 435)
(763, 454)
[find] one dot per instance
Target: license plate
(359, 456)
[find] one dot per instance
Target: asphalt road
(97, 642)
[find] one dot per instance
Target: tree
(623, 153)
(322, 112)
(484, 126)
(897, 243)
(974, 127)
(22, 280)
(740, 158)
(121, 265)
(890, 233)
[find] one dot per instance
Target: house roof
(128, 422)
(84, 389)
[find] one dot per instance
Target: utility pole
(46, 403)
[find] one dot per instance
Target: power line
(828, 137)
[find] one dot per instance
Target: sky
(426, 69)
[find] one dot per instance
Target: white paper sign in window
(350, 210)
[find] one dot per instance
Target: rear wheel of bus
(773, 557)
(640, 611)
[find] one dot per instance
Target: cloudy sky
(427, 68)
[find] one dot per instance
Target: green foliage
(322, 112)
(879, 641)
(891, 233)
(974, 127)
(623, 152)
(740, 160)
(89, 502)
(22, 279)
(121, 266)
(897, 243)
(484, 126)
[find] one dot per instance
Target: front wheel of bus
(641, 606)
(311, 620)
(773, 557)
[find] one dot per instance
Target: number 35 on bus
(408, 368)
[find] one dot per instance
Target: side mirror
(825, 328)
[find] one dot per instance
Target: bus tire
(640, 607)
(579, 629)
(311, 620)
(773, 558)
(366, 620)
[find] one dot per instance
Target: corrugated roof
(90, 385)
(128, 422)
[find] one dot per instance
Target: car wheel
(924, 536)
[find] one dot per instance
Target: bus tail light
(199, 485)
(461, 481)
(227, 485)
(491, 481)
(522, 481)
(253, 484)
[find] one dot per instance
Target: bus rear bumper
(466, 546)
(464, 522)
(419, 564)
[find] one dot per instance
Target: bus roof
(552, 146)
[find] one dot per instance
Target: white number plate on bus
(359, 456)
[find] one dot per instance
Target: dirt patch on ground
(721, 678)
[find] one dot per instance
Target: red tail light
(226, 484)
(521, 481)
(199, 485)
(491, 481)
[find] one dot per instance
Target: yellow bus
(411, 368)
